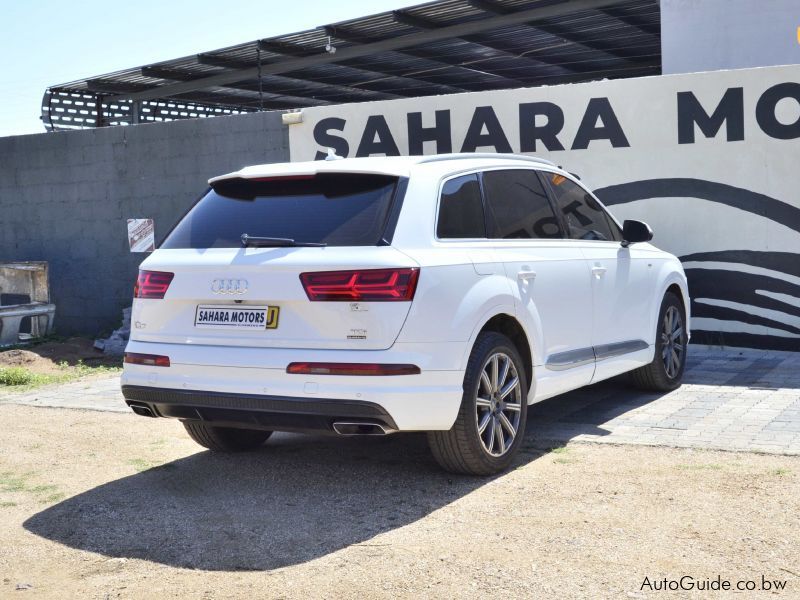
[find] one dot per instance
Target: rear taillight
(370, 285)
(149, 360)
(152, 284)
(313, 368)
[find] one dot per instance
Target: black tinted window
(585, 218)
(518, 206)
(336, 209)
(460, 209)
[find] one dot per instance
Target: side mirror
(634, 232)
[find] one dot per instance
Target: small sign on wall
(141, 235)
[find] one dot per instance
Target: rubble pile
(114, 345)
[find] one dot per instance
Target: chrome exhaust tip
(142, 410)
(347, 428)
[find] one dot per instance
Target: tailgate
(214, 293)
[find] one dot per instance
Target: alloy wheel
(498, 404)
(673, 347)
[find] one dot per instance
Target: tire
(463, 449)
(659, 376)
(225, 439)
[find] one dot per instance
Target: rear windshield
(340, 209)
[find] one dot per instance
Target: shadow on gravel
(300, 497)
(297, 499)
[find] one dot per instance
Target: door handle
(598, 272)
(525, 275)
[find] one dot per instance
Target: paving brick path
(730, 400)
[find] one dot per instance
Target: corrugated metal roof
(441, 47)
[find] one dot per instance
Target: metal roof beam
(241, 95)
(162, 73)
(295, 50)
(590, 42)
(620, 51)
(478, 40)
(633, 20)
(111, 91)
(285, 48)
(218, 61)
(178, 75)
(111, 87)
(445, 61)
(383, 45)
(491, 7)
(229, 63)
(412, 20)
(221, 61)
(291, 49)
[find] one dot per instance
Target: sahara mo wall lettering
(708, 159)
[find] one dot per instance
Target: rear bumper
(219, 380)
(255, 411)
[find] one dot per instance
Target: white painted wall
(707, 35)
(737, 197)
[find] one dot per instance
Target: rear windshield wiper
(275, 242)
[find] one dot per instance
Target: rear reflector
(150, 360)
(152, 284)
(370, 285)
(309, 368)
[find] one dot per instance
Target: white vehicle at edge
(375, 295)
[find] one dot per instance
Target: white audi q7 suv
(369, 296)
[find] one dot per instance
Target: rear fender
(452, 304)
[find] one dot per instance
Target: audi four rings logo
(229, 286)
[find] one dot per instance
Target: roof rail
(467, 155)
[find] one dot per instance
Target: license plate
(237, 317)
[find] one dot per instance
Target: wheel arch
(674, 288)
(673, 281)
(504, 321)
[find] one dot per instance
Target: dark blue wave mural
(743, 289)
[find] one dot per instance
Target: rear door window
(337, 209)
(518, 206)
(585, 218)
(461, 209)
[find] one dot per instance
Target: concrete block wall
(65, 198)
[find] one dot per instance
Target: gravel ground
(102, 505)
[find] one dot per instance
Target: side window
(518, 206)
(460, 209)
(585, 218)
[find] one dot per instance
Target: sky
(50, 42)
